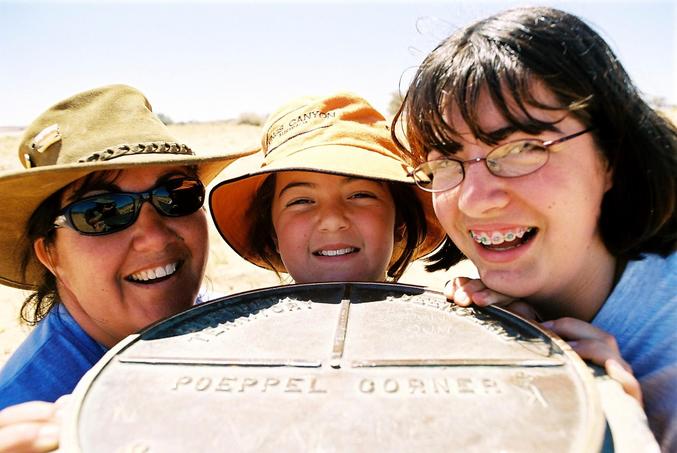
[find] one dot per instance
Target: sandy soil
(227, 273)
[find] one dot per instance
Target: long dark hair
(41, 225)
(506, 54)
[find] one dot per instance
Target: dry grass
(226, 272)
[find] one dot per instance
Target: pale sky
(202, 61)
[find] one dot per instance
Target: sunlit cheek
(445, 205)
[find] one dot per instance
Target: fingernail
(611, 363)
(548, 324)
(573, 344)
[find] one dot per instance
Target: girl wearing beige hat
(105, 224)
(329, 199)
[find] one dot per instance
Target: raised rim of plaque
(350, 352)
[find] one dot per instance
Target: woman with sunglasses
(106, 227)
(557, 180)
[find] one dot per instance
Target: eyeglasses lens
(179, 197)
(111, 212)
(507, 161)
(103, 214)
(517, 158)
(444, 174)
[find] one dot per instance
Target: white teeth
(344, 251)
(497, 237)
(152, 274)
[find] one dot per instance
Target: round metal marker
(338, 367)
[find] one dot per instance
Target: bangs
(454, 77)
(93, 181)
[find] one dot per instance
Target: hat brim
(25, 190)
(230, 198)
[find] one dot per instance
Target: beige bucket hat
(107, 128)
(340, 134)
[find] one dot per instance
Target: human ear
(608, 177)
(273, 237)
(42, 252)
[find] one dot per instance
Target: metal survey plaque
(338, 367)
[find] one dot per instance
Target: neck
(83, 319)
(583, 298)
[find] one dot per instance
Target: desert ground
(227, 272)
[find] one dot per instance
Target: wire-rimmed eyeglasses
(509, 160)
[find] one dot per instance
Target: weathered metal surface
(335, 368)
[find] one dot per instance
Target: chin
(506, 283)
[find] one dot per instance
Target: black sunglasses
(111, 212)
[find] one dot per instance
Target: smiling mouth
(155, 275)
(336, 252)
(504, 240)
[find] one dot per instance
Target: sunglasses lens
(179, 197)
(102, 214)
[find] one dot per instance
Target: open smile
(336, 252)
(156, 274)
(505, 239)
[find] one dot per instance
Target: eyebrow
(293, 184)
(502, 133)
(345, 180)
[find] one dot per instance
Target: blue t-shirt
(641, 313)
(53, 358)
(50, 362)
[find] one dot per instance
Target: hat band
(141, 148)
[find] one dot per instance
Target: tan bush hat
(106, 128)
(340, 134)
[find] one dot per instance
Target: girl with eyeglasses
(553, 176)
(106, 227)
(328, 199)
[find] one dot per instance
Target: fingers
(627, 380)
(599, 347)
(576, 329)
(29, 437)
(33, 411)
(464, 291)
(523, 309)
(29, 427)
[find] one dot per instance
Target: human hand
(599, 347)
(464, 291)
(31, 427)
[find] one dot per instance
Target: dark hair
(41, 225)
(261, 231)
(506, 54)
(36, 306)
(410, 225)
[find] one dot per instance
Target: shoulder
(54, 355)
(652, 276)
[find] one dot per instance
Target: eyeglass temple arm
(568, 137)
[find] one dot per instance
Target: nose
(333, 217)
(151, 230)
(480, 192)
